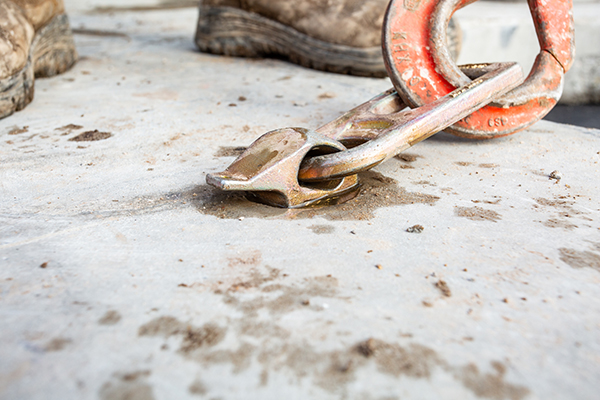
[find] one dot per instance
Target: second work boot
(342, 36)
(35, 41)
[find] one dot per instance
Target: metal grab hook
(278, 167)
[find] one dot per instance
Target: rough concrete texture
(124, 277)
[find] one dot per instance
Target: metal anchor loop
(277, 168)
(269, 170)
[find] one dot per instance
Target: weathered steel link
(420, 66)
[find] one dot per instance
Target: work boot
(35, 41)
(342, 36)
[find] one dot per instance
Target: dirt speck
(44, 265)
(256, 279)
(497, 201)
(407, 157)
(57, 344)
(415, 229)
(561, 204)
(263, 343)
(477, 214)
(443, 287)
(425, 183)
(133, 376)
(91, 136)
(322, 229)
(111, 317)
(488, 165)
(165, 326)
(197, 388)
(242, 98)
(126, 390)
(230, 151)
(16, 130)
(463, 163)
(580, 259)
(326, 95)
(555, 175)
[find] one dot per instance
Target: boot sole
(233, 32)
(52, 52)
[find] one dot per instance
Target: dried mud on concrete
(276, 350)
(377, 191)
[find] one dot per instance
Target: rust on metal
(420, 66)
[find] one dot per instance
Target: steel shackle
(420, 66)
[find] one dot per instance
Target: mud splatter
(477, 214)
(132, 376)
(326, 95)
(497, 201)
(68, 129)
(264, 343)
(230, 151)
(91, 136)
(488, 165)
(251, 258)
(322, 229)
(407, 157)
(564, 212)
(127, 386)
(281, 299)
(17, 131)
(377, 191)
(57, 344)
(491, 385)
(424, 183)
(111, 317)
(580, 259)
(415, 229)
(443, 287)
(198, 388)
(559, 223)
(193, 338)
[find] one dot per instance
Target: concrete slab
(124, 277)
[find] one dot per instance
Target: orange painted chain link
(420, 66)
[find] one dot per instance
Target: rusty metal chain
(420, 66)
(297, 167)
